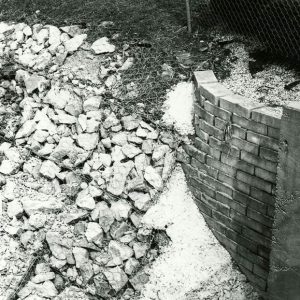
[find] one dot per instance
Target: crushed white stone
(179, 108)
(194, 256)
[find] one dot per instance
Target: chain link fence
(275, 23)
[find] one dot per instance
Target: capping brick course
(232, 172)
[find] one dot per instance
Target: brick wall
(231, 169)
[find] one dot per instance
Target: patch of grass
(159, 23)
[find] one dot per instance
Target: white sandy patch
(179, 108)
(194, 257)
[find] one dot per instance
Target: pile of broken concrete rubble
(76, 174)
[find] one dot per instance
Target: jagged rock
(74, 105)
(117, 154)
(57, 97)
(35, 82)
(72, 30)
(130, 151)
(153, 135)
(102, 45)
(94, 232)
(8, 167)
(169, 162)
(85, 200)
(140, 249)
(148, 146)
(92, 103)
(130, 122)
(120, 171)
(153, 178)
(54, 35)
(37, 220)
(60, 247)
(64, 147)
(88, 141)
(26, 237)
(119, 229)
(47, 290)
(139, 280)
(27, 129)
(43, 277)
(74, 43)
(159, 152)
(141, 162)
(105, 216)
(110, 121)
(116, 277)
(35, 205)
(131, 266)
(127, 64)
(102, 286)
(14, 209)
(81, 256)
(142, 133)
(121, 209)
(64, 118)
(49, 169)
(42, 268)
(141, 201)
(119, 139)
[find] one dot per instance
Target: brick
(237, 163)
(262, 196)
(211, 130)
(217, 111)
(203, 207)
(241, 240)
(262, 140)
(224, 147)
(259, 162)
(268, 154)
(242, 261)
(228, 222)
(197, 193)
(203, 114)
(274, 132)
(271, 211)
(210, 191)
(264, 252)
(266, 116)
(189, 171)
(215, 226)
(249, 201)
(213, 91)
(194, 152)
(227, 243)
(260, 272)
(237, 104)
(257, 237)
(204, 168)
(201, 77)
(216, 205)
(221, 166)
(250, 223)
(266, 175)
(183, 157)
(229, 201)
(257, 281)
(217, 185)
(263, 219)
(253, 257)
(238, 131)
(201, 134)
(250, 124)
(234, 183)
(220, 124)
(247, 146)
(201, 145)
(254, 181)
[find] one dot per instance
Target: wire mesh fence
(275, 23)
